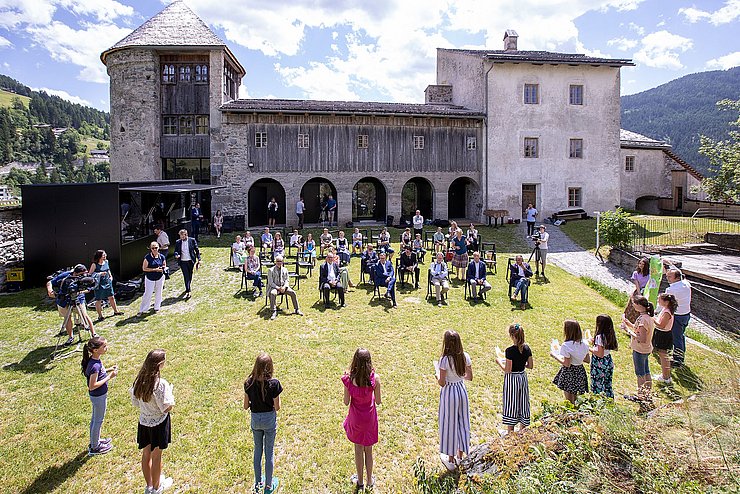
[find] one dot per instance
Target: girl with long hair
(571, 378)
(262, 399)
(152, 395)
(362, 394)
(663, 336)
(104, 288)
(602, 365)
(455, 367)
(641, 341)
(218, 222)
(516, 386)
(97, 385)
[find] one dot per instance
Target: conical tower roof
(175, 26)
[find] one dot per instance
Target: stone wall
(11, 241)
(724, 240)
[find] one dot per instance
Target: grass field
(6, 98)
(211, 342)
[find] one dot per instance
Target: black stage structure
(64, 224)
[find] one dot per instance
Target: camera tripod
(62, 351)
(537, 254)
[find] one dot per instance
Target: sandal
(118, 313)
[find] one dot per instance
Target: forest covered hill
(680, 110)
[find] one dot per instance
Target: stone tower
(168, 79)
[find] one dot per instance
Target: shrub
(615, 228)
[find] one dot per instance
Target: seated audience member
(452, 230)
(238, 250)
(418, 247)
(248, 239)
(384, 243)
(476, 277)
(252, 269)
(296, 240)
(438, 276)
(342, 248)
(409, 265)
(329, 279)
(267, 240)
(343, 271)
(472, 235)
(310, 247)
(278, 245)
(369, 259)
(439, 240)
(326, 240)
(357, 242)
(384, 276)
(406, 237)
(278, 283)
(519, 279)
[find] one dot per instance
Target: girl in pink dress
(362, 393)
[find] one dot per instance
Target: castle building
(499, 129)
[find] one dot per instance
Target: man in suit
(476, 277)
(368, 260)
(410, 265)
(278, 283)
(195, 215)
(519, 279)
(188, 256)
(329, 279)
(384, 276)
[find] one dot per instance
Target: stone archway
(315, 192)
(369, 200)
(464, 199)
(259, 195)
(417, 193)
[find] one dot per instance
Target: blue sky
(373, 51)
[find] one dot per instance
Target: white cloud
(41, 12)
(636, 28)
(80, 47)
(244, 92)
(4, 42)
(622, 44)
(661, 50)
(728, 13)
(64, 95)
(726, 62)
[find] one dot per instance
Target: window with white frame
(201, 125)
(186, 126)
(169, 126)
(303, 141)
(576, 94)
(574, 197)
(471, 143)
(260, 139)
(418, 142)
(201, 73)
(168, 74)
(629, 163)
(362, 141)
(185, 72)
(576, 148)
(531, 94)
(531, 147)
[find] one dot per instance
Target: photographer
(69, 293)
(540, 239)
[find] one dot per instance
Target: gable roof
(347, 108)
(522, 56)
(175, 26)
(690, 169)
(629, 139)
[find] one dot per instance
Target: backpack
(57, 285)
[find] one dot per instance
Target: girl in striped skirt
(516, 386)
(454, 415)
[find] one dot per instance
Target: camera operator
(540, 239)
(66, 282)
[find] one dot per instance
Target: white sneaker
(165, 483)
(660, 379)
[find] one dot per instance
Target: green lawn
(6, 98)
(582, 232)
(211, 342)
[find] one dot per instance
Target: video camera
(73, 286)
(537, 238)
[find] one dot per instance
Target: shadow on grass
(687, 378)
(51, 478)
(35, 362)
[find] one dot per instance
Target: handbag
(166, 272)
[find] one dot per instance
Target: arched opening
(368, 200)
(260, 194)
(464, 200)
(315, 193)
(417, 194)
(648, 204)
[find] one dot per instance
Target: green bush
(615, 228)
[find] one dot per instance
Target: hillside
(680, 110)
(7, 98)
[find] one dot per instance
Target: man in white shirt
(163, 240)
(300, 206)
(681, 289)
(278, 283)
(418, 222)
(544, 237)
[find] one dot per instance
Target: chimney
(510, 38)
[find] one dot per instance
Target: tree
(724, 158)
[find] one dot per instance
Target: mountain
(680, 110)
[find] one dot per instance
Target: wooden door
(529, 196)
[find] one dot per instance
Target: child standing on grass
(663, 336)
(152, 395)
(97, 386)
(455, 367)
(571, 378)
(262, 399)
(516, 385)
(641, 343)
(602, 365)
(362, 394)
